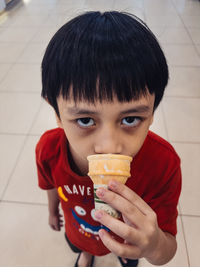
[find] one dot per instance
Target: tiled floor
(25, 29)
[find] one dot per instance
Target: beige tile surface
(195, 35)
(23, 185)
(174, 36)
(33, 54)
(27, 240)
(10, 53)
(164, 20)
(11, 146)
(187, 7)
(191, 21)
(19, 35)
(22, 78)
(174, 54)
(190, 196)
(192, 234)
(184, 81)
(158, 125)
(17, 111)
(45, 120)
(182, 118)
(4, 68)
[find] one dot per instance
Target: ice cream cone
(106, 167)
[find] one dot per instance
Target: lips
(88, 227)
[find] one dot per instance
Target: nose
(108, 141)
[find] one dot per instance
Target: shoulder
(156, 156)
(160, 148)
(49, 144)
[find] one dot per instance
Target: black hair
(101, 55)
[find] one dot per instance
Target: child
(105, 74)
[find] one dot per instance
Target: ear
(58, 121)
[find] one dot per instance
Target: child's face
(107, 127)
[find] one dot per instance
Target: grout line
(165, 121)
(181, 96)
(24, 203)
(20, 92)
(186, 28)
(188, 215)
(14, 167)
(20, 134)
(184, 237)
(185, 142)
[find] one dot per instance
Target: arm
(55, 220)
(143, 237)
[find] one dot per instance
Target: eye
(85, 122)
(131, 121)
(80, 210)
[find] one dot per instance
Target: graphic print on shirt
(82, 211)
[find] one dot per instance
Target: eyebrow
(138, 109)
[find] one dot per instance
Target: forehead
(114, 105)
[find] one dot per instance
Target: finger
(120, 249)
(130, 195)
(126, 232)
(129, 210)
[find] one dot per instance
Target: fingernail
(113, 184)
(98, 214)
(100, 192)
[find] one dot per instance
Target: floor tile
(191, 21)
(157, 7)
(4, 68)
(101, 5)
(107, 261)
(198, 49)
(138, 12)
(23, 185)
(195, 35)
(158, 125)
(57, 20)
(44, 35)
(11, 146)
(22, 78)
(174, 55)
(33, 54)
(187, 7)
(45, 120)
(180, 258)
(17, 112)
(192, 233)
(174, 36)
(19, 35)
(68, 8)
(28, 21)
(190, 196)
(184, 81)
(182, 118)
(10, 53)
(132, 3)
(162, 20)
(27, 240)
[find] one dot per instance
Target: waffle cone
(104, 168)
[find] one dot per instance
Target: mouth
(91, 229)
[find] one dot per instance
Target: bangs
(98, 56)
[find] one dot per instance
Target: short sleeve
(166, 201)
(45, 180)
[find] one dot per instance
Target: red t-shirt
(155, 177)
